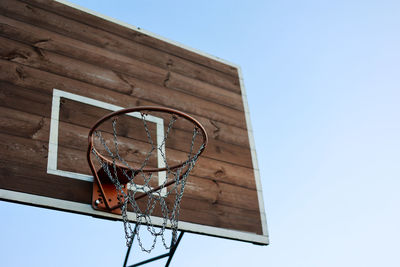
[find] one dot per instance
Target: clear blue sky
(323, 85)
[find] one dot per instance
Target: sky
(323, 85)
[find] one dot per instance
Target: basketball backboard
(64, 67)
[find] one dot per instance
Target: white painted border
(260, 239)
(87, 209)
(254, 157)
(54, 128)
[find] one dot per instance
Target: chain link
(144, 215)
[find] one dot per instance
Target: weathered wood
(26, 151)
(197, 187)
(222, 216)
(16, 97)
(221, 171)
(189, 103)
(78, 70)
(35, 152)
(133, 35)
(44, 82)
(74, 137)
(208, 92)
(84, 115)
(33, 181)
(49, 41)
(46, 45)
(112, 42)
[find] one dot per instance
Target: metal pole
(173, 249)
(170, 254)
(150, 260)
(129, 247)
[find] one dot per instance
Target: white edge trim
(162, 176)
(254, 157)
(87, 209)
(53, 137)
(132, 27)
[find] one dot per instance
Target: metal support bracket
(170, 254)
(104, 195)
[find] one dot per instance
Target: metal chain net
(139, 182)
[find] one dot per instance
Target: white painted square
(54, 129)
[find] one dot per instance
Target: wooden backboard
(63, 67)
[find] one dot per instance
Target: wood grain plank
(43, 39)
(84, 115)
(207, 91)
(221, 216)
(19, 149)
(44, 82)
(78, 70)
(36, 16)
(213, 195)
(217, 194)
(49, 41)
(33, 181)
(133, 35)
(212, 191)
(23, 124)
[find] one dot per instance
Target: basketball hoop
(145, 182)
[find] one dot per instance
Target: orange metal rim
(142, 109)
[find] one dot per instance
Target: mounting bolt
(97, 202)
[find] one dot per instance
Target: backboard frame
(86, 209)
